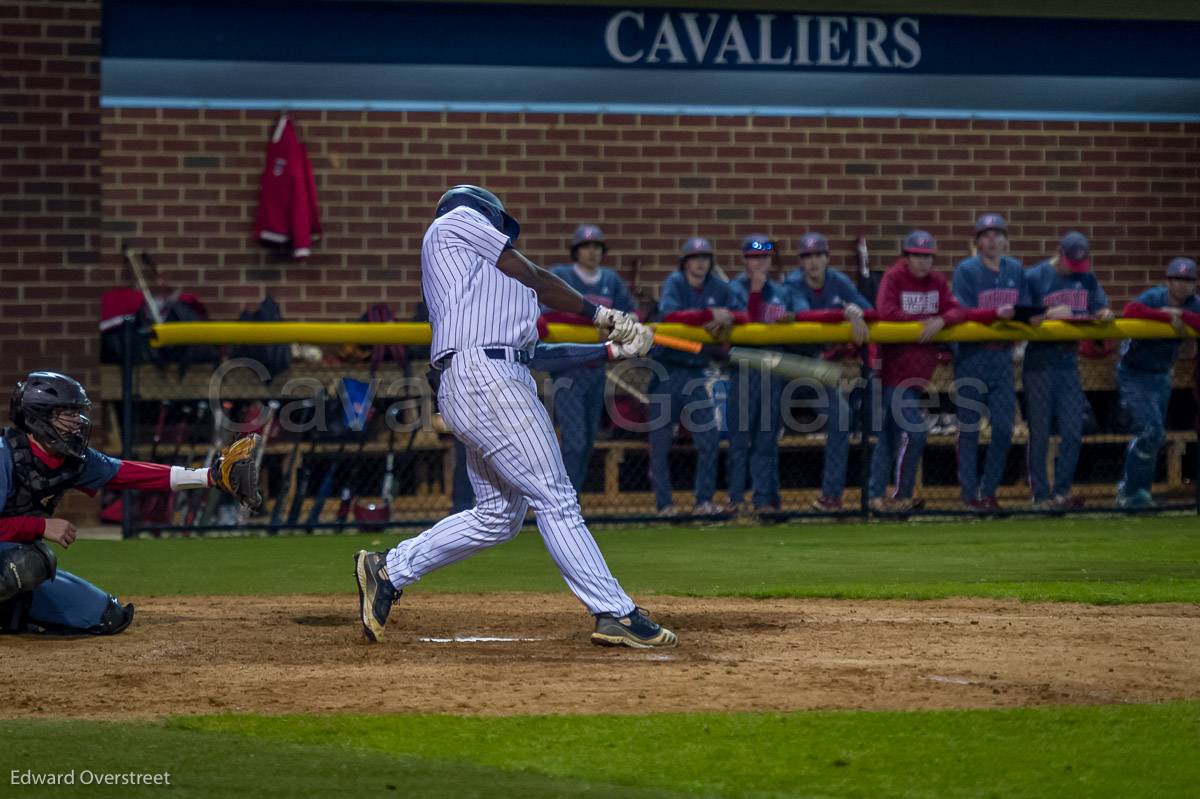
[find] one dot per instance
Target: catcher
(42, 454)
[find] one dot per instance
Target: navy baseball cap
(586, 234)
(757, 244)
(990, 221)
(813, 243)
(919, 242)
(1076, 252)
(1182, 269)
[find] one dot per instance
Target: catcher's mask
(52, 408)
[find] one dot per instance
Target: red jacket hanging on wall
(287, 209)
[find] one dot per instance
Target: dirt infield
(303, 654)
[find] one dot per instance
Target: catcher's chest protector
(36, 488)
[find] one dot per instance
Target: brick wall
(183, 183)
(50, 276)
(75, 182)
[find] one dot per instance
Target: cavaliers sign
(762, 40)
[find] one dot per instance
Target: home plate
(475, 639)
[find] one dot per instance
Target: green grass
(1056, 753)
(1124, 560)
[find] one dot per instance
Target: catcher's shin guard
(236, 471)
(24, 568)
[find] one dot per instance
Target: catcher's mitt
(236, 470)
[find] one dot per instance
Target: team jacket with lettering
(1046, 286)
(976, 286)
(905, 298)
(287, 209)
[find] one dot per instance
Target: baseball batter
(483, 298)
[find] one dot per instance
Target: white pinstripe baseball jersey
(492, 406)
(472, 303)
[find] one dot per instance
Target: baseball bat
(168, 500)
(302, 481)
(788, 366)
(351, 479)
(197, 500)
(289, 466)
(628, 389)
(285, 484)
(676, 343)
(272, 410)
(131, 258)
(213, 496)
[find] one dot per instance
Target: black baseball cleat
(635, 630)
(376, 594)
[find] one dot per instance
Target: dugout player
(693, 295)
(822, 294)
(910, 291)
(990, 282)
(1144, 376)
(579, 398)
(1054, 398)
(483, 299)
(44, 453)
(753, 411)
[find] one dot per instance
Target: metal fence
(356, 445)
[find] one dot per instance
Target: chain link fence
(360, 447)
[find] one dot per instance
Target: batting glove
(643, 340)
(615, 325)
(235, 471)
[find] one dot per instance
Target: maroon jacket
(287, 208)
(904, 298)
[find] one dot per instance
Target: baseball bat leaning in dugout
(623, 384)
(788, 366)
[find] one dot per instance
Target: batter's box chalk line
(952, 680)
(476, 639)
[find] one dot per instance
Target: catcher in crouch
(42, 454)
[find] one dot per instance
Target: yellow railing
(171, 334)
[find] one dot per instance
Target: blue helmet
(587, 234)
(757, 244)
(482, 201)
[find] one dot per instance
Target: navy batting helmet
(587, 234)
(757, 244)
(990, 221)
(813, 243)
(482, 201)
(919, 242)
(35, 407)
(695, 246)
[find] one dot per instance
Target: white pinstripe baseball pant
(514, 462)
